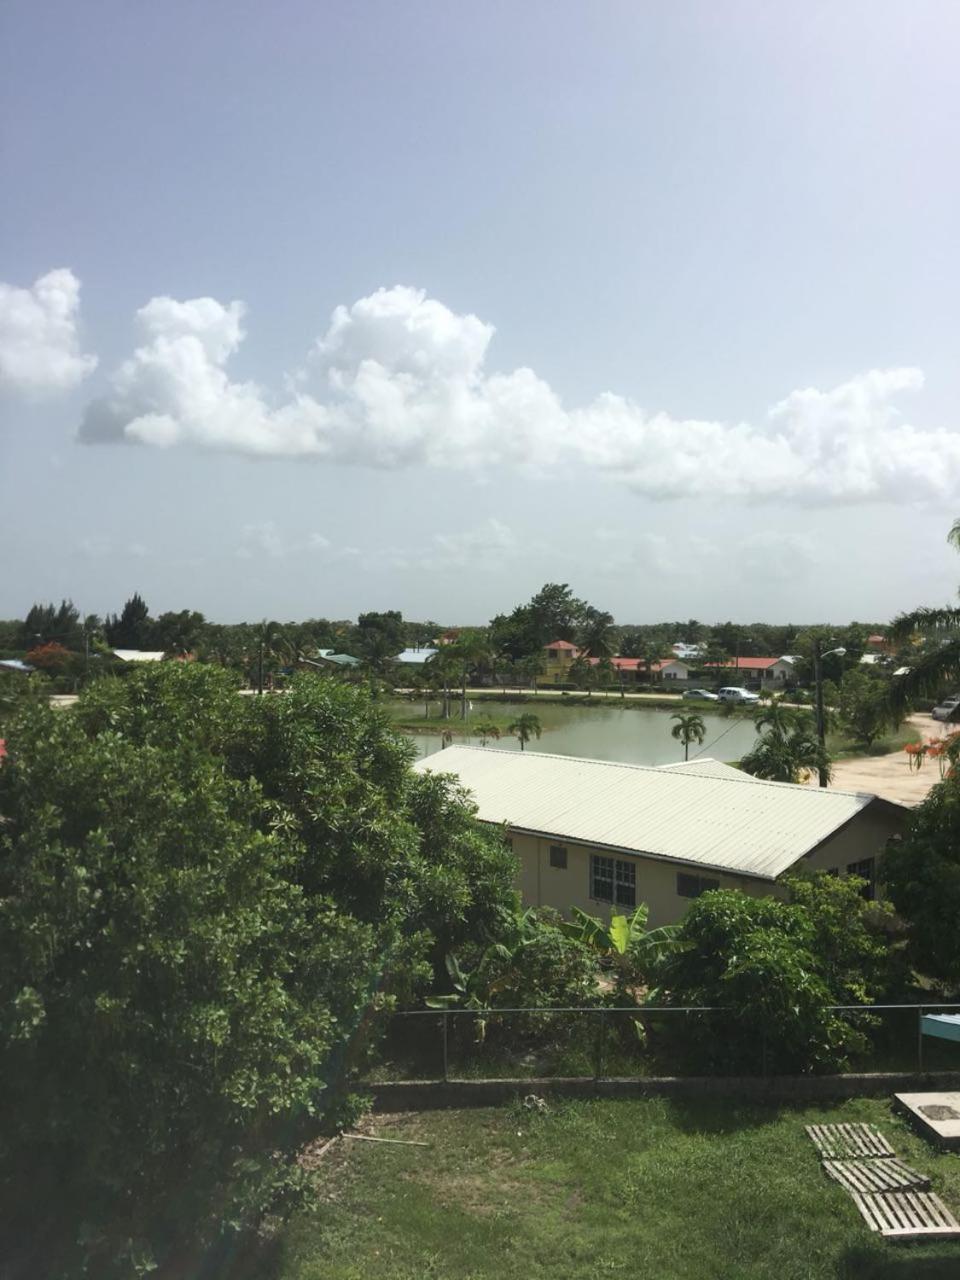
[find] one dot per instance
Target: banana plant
(625, 942)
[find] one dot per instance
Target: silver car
(736, 693)
(948, 709)
(700, 695)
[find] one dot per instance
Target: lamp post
(818, 657)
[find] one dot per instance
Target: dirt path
(891, 776)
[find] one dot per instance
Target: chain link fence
(609, 1043)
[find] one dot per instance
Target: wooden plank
(907, 1215)
(875, 1175)
(849, 1141)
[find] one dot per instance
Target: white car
(700, 695)
(734, 693)
(948, 709)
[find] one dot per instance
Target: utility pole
(260, 667)
(818, 694)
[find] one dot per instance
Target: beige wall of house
(656, 880)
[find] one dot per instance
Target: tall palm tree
(445, 665)
(689, 728)
(472, 649)
(525, 727)
(935, 634)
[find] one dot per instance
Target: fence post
(598, 1064)
(445, 1015)
(763, 1051)
(920, 1038)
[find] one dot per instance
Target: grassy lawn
(653, 1189)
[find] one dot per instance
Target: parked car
(700, 695)
(736, 693)
(948, 709)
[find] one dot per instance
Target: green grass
(842, 748)
(651, 1189)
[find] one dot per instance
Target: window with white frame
(613, 880)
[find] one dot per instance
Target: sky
(312, 309)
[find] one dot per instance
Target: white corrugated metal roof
(139, 655)
(743, 825)
(708, 767)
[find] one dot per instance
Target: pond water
(607, 731)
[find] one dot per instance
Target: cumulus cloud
(398, 380)
(39, 344)
(264, 538)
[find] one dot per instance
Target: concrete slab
(936, 1114)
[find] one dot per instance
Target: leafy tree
(525, 727)
(202, 899)
(379, 637)
(773, 967)
(46, 622)
(179, 633)
(554, 613)
(689, 728)
(51, 657)
(862, 707)
(921, 873)
(787, 749)
(133, 629)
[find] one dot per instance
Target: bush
(773, 967)
(202, 899)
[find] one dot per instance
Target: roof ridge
(656, 768)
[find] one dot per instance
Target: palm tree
(788, 749)
(598, 635)
(445, 665)
(938, 660)
(485, 729)
(689, 728)
(525, 727)
(472, 649)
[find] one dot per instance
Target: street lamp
(818, 657)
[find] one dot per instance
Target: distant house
(559, 656)
(139, 655)
(16, 664)
(327, 658)
(637, 669)
(688, 652)
(604, 836)
(414, 657)
(877, 642)
(767, 670)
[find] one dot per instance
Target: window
(613, 880)
(864, 869)
(508, 841)
(692, 886)
(558, 857)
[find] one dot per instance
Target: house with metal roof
(767, 670)
(601, 835)
(414, 657)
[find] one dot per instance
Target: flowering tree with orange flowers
(50, 657)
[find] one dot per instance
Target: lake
(607, 731)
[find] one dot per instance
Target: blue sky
(581, 251)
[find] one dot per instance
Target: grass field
(651, 1189)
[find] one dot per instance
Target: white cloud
(264, 538)
(398, 379)
(39, 345)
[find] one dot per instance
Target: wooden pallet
(849, 1141)
(908, 1215)
(870, 1176)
